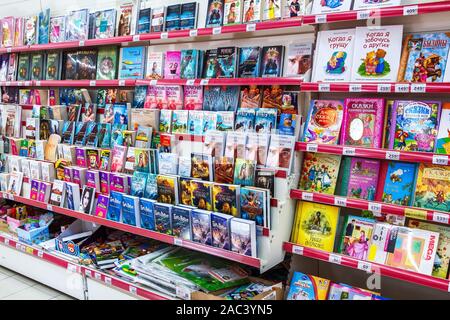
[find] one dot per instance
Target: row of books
(420, 246)
(309, 287)
(421, 185)
(367, 55)
(404, 125)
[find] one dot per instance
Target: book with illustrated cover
(168, 163)
(13, 63)
(107, 63)
(142, 159)
(53, 66)
(140, 93)
(210, 64)
(19, 27)
(173, 17)
(232, 12)
(151, 189)
(189, 63)
(57, 194)
(251, 97)
(273, 97)
(181, 222)
(138, 183)
(266, 120)
(172, 64)
(298, 60)
(257, 147)
(201, 166)
(174, 97)
(132, 63)
(319, 172)
(125, 20)
(407, 132)
(374, 4)
(272, 9)
(195, 125)
(163, 213)
(245, 120)
(179, 121)
(398, 180)
(220, 230)
(308, 287)
(253, 205)
(272, 61)
(249, 60)
(431, 190)
(265, 179)
(146, 210)
(104, 24)
(188, 16)
(214, 144)
(87, 200)
(7, 30)
(380, 61)
(130, 210)
(214, 14)
(362, 125)
(144, 17)
(93, 158)
(118, 158)
(93, 179)
(294, 8)
(243, 237)
(77, 25)
(363, 178)
(157, 21)
(226, 62)
(57, 29)
(115, 206)
(86, 65)
(72, 196)
(244, 172)
(224, 170)
(443, 135)
(225, 199)
(34, 190)
(225, 121)
(356, 237)
(209, 121)
(201, 192)
(288, 124)
(193, 97)
(37, 66)
(167, 187)
(252, 11)
(185, 191)
(101, 209)
(44, 26)
(184, 166)
(155, 65)
(156, 98)
(30, 30)
(11, 116)
(118, 182)
(201, 226)
(235, 145)
(280, 152)
(165, 120)
(330, 6)
(220, 98)
(23, 72)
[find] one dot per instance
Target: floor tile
(47, 290)
(10, 286)
(30, 293)
(6, 271)
(63, 297)
(24, 279)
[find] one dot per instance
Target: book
(225, 121)
(163, 213)
(167, 187)
(118, 158)
(132, 63)
(254, 205)
(224, 169)
(87, 200)
(280, 152)
(380, 61)
(141, 160)
(93, 179)
(188, 15)
(235, 145)
(7, 30)
(288, 124)
(44, 191)
(441, 261)
(107, 63)
(330, 6)
(272, 61)
(11, 76)
(370, 4)
(172, 62)
(272, 10)
(157, 21)
(356, 237)
(377, 247)
(220, 230)
(43, 26)
(225, 199)
(298, 60)
(151, 190)
(408, 134)
(252, 11)
(193, 97)
(185, 191)
(398, 182)
(34, 190)
(189, 63)
(181, 222)
(174, 97)
(201, 226)
(57, 193)
(23, 72)
(138, 184)
(363, 178)
(146, 210)
(104, 24)
(184, 166)
(115, 206)
(125, 25)
(232, 12)
(130, 210)
(220, 98)
(210, 64)
(173, 17)
(201, 194)
(257, 147)
(155, 65)
(363, 122)
(244, 172)
(214, 144)
(431, 187)
(77, 25)
(11, 120)
(265, 179)
(317, 224)
(37, 66)
(72, 197)
(30, 30)
(265, 120)
(57, 29)
(334, 64)
(179, 121)
(319, 172)
(307, 287)
(144, 17)
(101, 209)
(226, 62)
(19, 26)
(209, 121)
(168, 163)
(443, 135)
(53, 66)
(243, 237)
(195, 125)
(245, 120)
(214, 14)
(165, 120)
(250, 97)
(273, 97)
(93, 158)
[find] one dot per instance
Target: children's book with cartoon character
(363, 178)
(319, 172)
(398, 182)
(443, 137)
(433, 187)
(357, 234)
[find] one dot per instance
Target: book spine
(381, 180)
(393, 125)
(404, 59)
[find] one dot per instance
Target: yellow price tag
(29, 250)
(416, 213)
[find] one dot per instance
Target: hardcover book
(172, 64)
(195, 122)
(398, 182)
(174, 97)
(179, 121)
(251, 97)
(157, 24)
(253, 205)
(107, 63)
(181, 222)
(104, 24)
(72, 197)
(226, 62)
(125, 21)
(265, 179)
(101, 210)
(225, 199)
(146, 209)
(307, 287)
(57, 29)
(432, 185)
(188, 16)
(220, 229)
(356, 237)
(151, 189)
(163, 213)
(272, 61)
(23, 72)
(53, 66)
(201, 194)
(245, 120)
(288, 124)
(201, 166)
(193, 97)
(298, 60)
(30, 31)
(273, 97)
(77, 25)
(443, 136)
(132, 63)
(57, 194)
(319, 172)
(44, 26)
(168, 163)
(210, 64)
(330, 6)
(138, 184)
(244, 172)
(173, 17)
(189, 63)
(167, 187)
(243, 237)
(272, 9)
(220, 98)
(201, 226)
(214, 15)
(363, 178)
(224, 170)
(155, 65)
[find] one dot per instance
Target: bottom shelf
(396, 273)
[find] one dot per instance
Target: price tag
(40, 254)
(392, 155)
(204, 82)
(418, 87)
(217, 30)
(363, 14)
(383, 87)
(11, 197)
(190, 82)
(347, 151)
(365, 266)
(183, 293)
(136, 37)
(8, 83)
(133, 290)
(321, 18)
(121, 83)
(153, 82)
(416, 214)
(324, 87)
(307, 196)
(81, 43)
(438, 159)
(250, 27)
(402, 87)
(177, 241)
(108, 281)
(8, 50)
(125, 44)
(7, 241)
(38, 83)
(334, 258)
(441, 217)
(297, 250)
(374, 207)
(29, 250)
(92, 83)
(49, 207)
(71, 267)
(410, 10)
(164, 35)
(355, 87)
(88, 273)
(338, 201)
(27, 83)
(312, 147)
(19, 83)
(97, 276)
(193, 33)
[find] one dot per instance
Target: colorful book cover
(374, 4)
(157, 19)
(155, 65)
(214, 15)
(251, 97)
(432, 187)
(132, 63)
(185, 191)
(443, 136)
(151, 189)
(363, 122)
(167, 187)
(307, 287)
(138, 183)
(30, 31)
(188, 16)
(424, 57)
(104, 24)
(53, 66)
(298, 61)
(163, 213)
(180, 121)
(288, 124)
(57, 194)
(115, 206)
(226, 199)
(173, 17)
(356, 237)
(253, 205)
(44, 27)
(37, 66)
(226, 62)
(317, 225)
(172, 64)
(210, 64)
(252, 11)
(144, 18)
(146, 209)
(87, 200)
(265, 120)
(181, 224)
(320, 172)
(125, 25)
(165, 120)
(201, 194)
(272, 9)
(201, 226)
(57, 29)
(196, 122)
(174, 97)
(209, 121)
(249, 59)
(93, 158)
(189, 63)
(225, 121)
(398, 182)
(414, 125)
(244, 172)
(193, 97)
(142, 160)
(273, 98)
(224, 170)
(243, 237)
(232, 12)
(34, 191)
(101, 210)
(330, 6)
(77, 25)
(107, 63)
(130, 210)
(220, 230)
(23, 72)
(245, 120)
(272, 61)
(280, 155)
(363, 178)
(19, 24)
(221, 98)
(7, 30)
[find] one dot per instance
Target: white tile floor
(14, 286)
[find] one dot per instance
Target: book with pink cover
(118, 158)
(363, 122)
(156, 97)
(172, 65)
(193, 97)
(7, 31)
(102, 206)
(174, 97)
(363, 178)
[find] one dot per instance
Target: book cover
(220, 98)
(144, 17)
(235, 145)
(265, 179)
(168, 163)
(93, 158)
(377, 247)
(209, 121)
(201, 194)
(243, 237)
(251, 97)
(179, 121)
(185, 191)
(11, 76)
(189, 63)
(188, 16)
(23, 72)
(37, 66)
(165, 120)
(57, 29)
(104, 24)
(7, 30)
(272, 9)
(44, 192)
(330, 6)
(201, 226)
(226, 62)
(181, 224)
(273, 97)
(220, 230)
(225, 121)
(244, 172)
(307, 287)
(146, 210)
(414, 125)
(57, 194)
(53, 66)
(151, 190)
(118, 158)
(374, 4)
(319, 172)
(298, 60)
(155, 65)
(443, 136)
(44, 26)
(265, 120)
(142, 159)
(363, 179)
(432, 185)
(214, 143)
(193, 97)
(398, 182)
(72, 196)
(34, 190)
(107, 63)
(125, 20)
(317, 225)
(30, 30)
(174, 97)
(201, 166)
(163, 213)
(252, 11)
(363, 122)
(184, 166)
(380, 61)
(101, 208)
(210, 64)
(225, 199)
(253, 205)
(195, 122)
(356, 237)
(280, 151)
(138, 184)
(245, 120)
(130, 210)
(132, 63)
(272, 61)
(86, 65)
(93, 179)
(115, 206)
(172, 62)
(288, 124)
(232, 12)
(167, 187)
(87, 200)
(19, 24)
(214, 14)
(157, 21)
(173, 17)
(224, 170)
(77, 25)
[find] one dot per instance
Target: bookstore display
(131, 179)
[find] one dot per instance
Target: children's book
(317, 224)
(272, 61)
(330, 6)
(193, 97)
(77, 25)
(201, 192)
(181, 222)
(44, 26)
(377, 53)
(249, 59)
(414, 125)
(363, 122)
(443, 136)
(319, 172)
(356, 237)
(363, 178)
(398, 182)
(172, 64)
(201, 226)
(220, 230)
(251, 97)
(377, 247)
(334, 63)
(243, 236)
(155, 65)
(244, 172)
(288, 124)
(214, 14)
(30, 30)
(132, 63)
(432, 187)
(307, 287)
(424, 57)
(225, 199)
(253, 205)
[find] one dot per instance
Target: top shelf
(246, 30)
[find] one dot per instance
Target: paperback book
(225, 199)
(243, 237)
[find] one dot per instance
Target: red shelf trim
(404, 275)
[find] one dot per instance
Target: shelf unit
(370, 267)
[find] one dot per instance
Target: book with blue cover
(173, 17)
(140, 92)
(221, 98)
(201, 226)
(163, 213)
(209, 121)
(244, 172)
(130, 210)
(132, 63)
(254, 205)
(104, 24)
(225, 121)
(44, 27)
(181, 222)
(220, 230)
(214, 16)
(138, 183)
(188, 15)
(287, 124)
(115, 206)
(398, 180)
(68, 132)
(249, 62)
(165, 120)
(265, 120)
(104, 135)
(120, 115)
(195, 124)
(226, 62)
(245, 120)
(151, 189)
(189, 63)
(146, 210)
